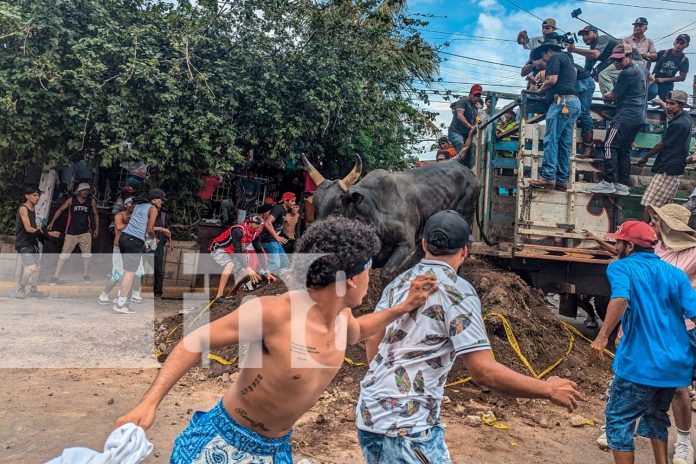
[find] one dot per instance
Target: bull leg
(394, 265)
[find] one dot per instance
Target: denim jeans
(660, 90)
(277, 259)
(557, 141)
(626, 403)
(585, 89)
(423, 447)
(457, 140)
(652, 91)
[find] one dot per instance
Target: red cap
(269, 201)
(476, 89)
(637, 232)
(127, 189)
(287, 196)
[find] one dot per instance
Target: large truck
(539, 233)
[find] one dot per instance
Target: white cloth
(127, 444)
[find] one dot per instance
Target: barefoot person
(298, 344)
(398, 413)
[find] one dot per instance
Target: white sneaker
(683, 453)
(103, 299)
(602, 440)
(602, 187)
(136, 297)
(622, 189)
(123, 309)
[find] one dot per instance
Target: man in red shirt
(236, 241)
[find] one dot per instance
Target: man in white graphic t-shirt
(398, 412)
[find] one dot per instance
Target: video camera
(568, 38)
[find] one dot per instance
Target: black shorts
(29, 255)
(131, 251)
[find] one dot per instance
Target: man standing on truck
(464, 120)
(630, 94)
(650, 298)
(669, 62)
(564, 109)
(597, 57)
(672, 150)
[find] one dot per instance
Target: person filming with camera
(597, 57)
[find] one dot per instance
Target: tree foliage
(190, 88)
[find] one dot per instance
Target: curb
(72, 290)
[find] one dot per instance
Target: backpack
(663, 57)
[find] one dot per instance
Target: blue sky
(500, 19)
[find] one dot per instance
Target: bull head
(329, 195)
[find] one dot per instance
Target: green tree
(191, 88)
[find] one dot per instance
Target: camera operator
(597, 57)
(559, 88)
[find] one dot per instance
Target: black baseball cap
(684, 37)
(156, 193)
(640, 20)
(254, 219)
(587, 29)
(447, 231)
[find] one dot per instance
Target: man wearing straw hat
(677, 247)
(650, 298)
(673, 151)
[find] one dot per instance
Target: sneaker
(683, 453)
(104, 299)
(602, 440)
(86, 278)
(36, 294)
(591, 323)
(18, 293)
(136, 297)
(603, 187)
(622, 189)
(123, 309)
(55, 281)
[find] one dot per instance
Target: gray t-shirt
(469, 113)
(604, 45)
(631, 91)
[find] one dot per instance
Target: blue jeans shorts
(213, 437)
(628, 402)
(426, 447)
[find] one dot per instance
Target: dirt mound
(541, 338)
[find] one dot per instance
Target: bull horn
(353, 176)
(312, 171)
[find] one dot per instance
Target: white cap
(82, 186)
(693, 193)
(128, 200)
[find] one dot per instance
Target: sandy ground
(47, 409)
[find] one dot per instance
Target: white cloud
(497, 22)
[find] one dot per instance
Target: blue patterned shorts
(426, 447)
(213, 437)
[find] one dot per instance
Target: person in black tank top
(27, 244)
(78, 232)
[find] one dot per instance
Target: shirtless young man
(299, 328)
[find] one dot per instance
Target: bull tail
(485, 238)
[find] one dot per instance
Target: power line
(636, 6)
(528, 12)
(468, 35)
(681, 29)
(479, 59)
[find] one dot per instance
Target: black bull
(397, 205)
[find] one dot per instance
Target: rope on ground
(202, 311)
(354, 363)
(572, 333)
(221, 360)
